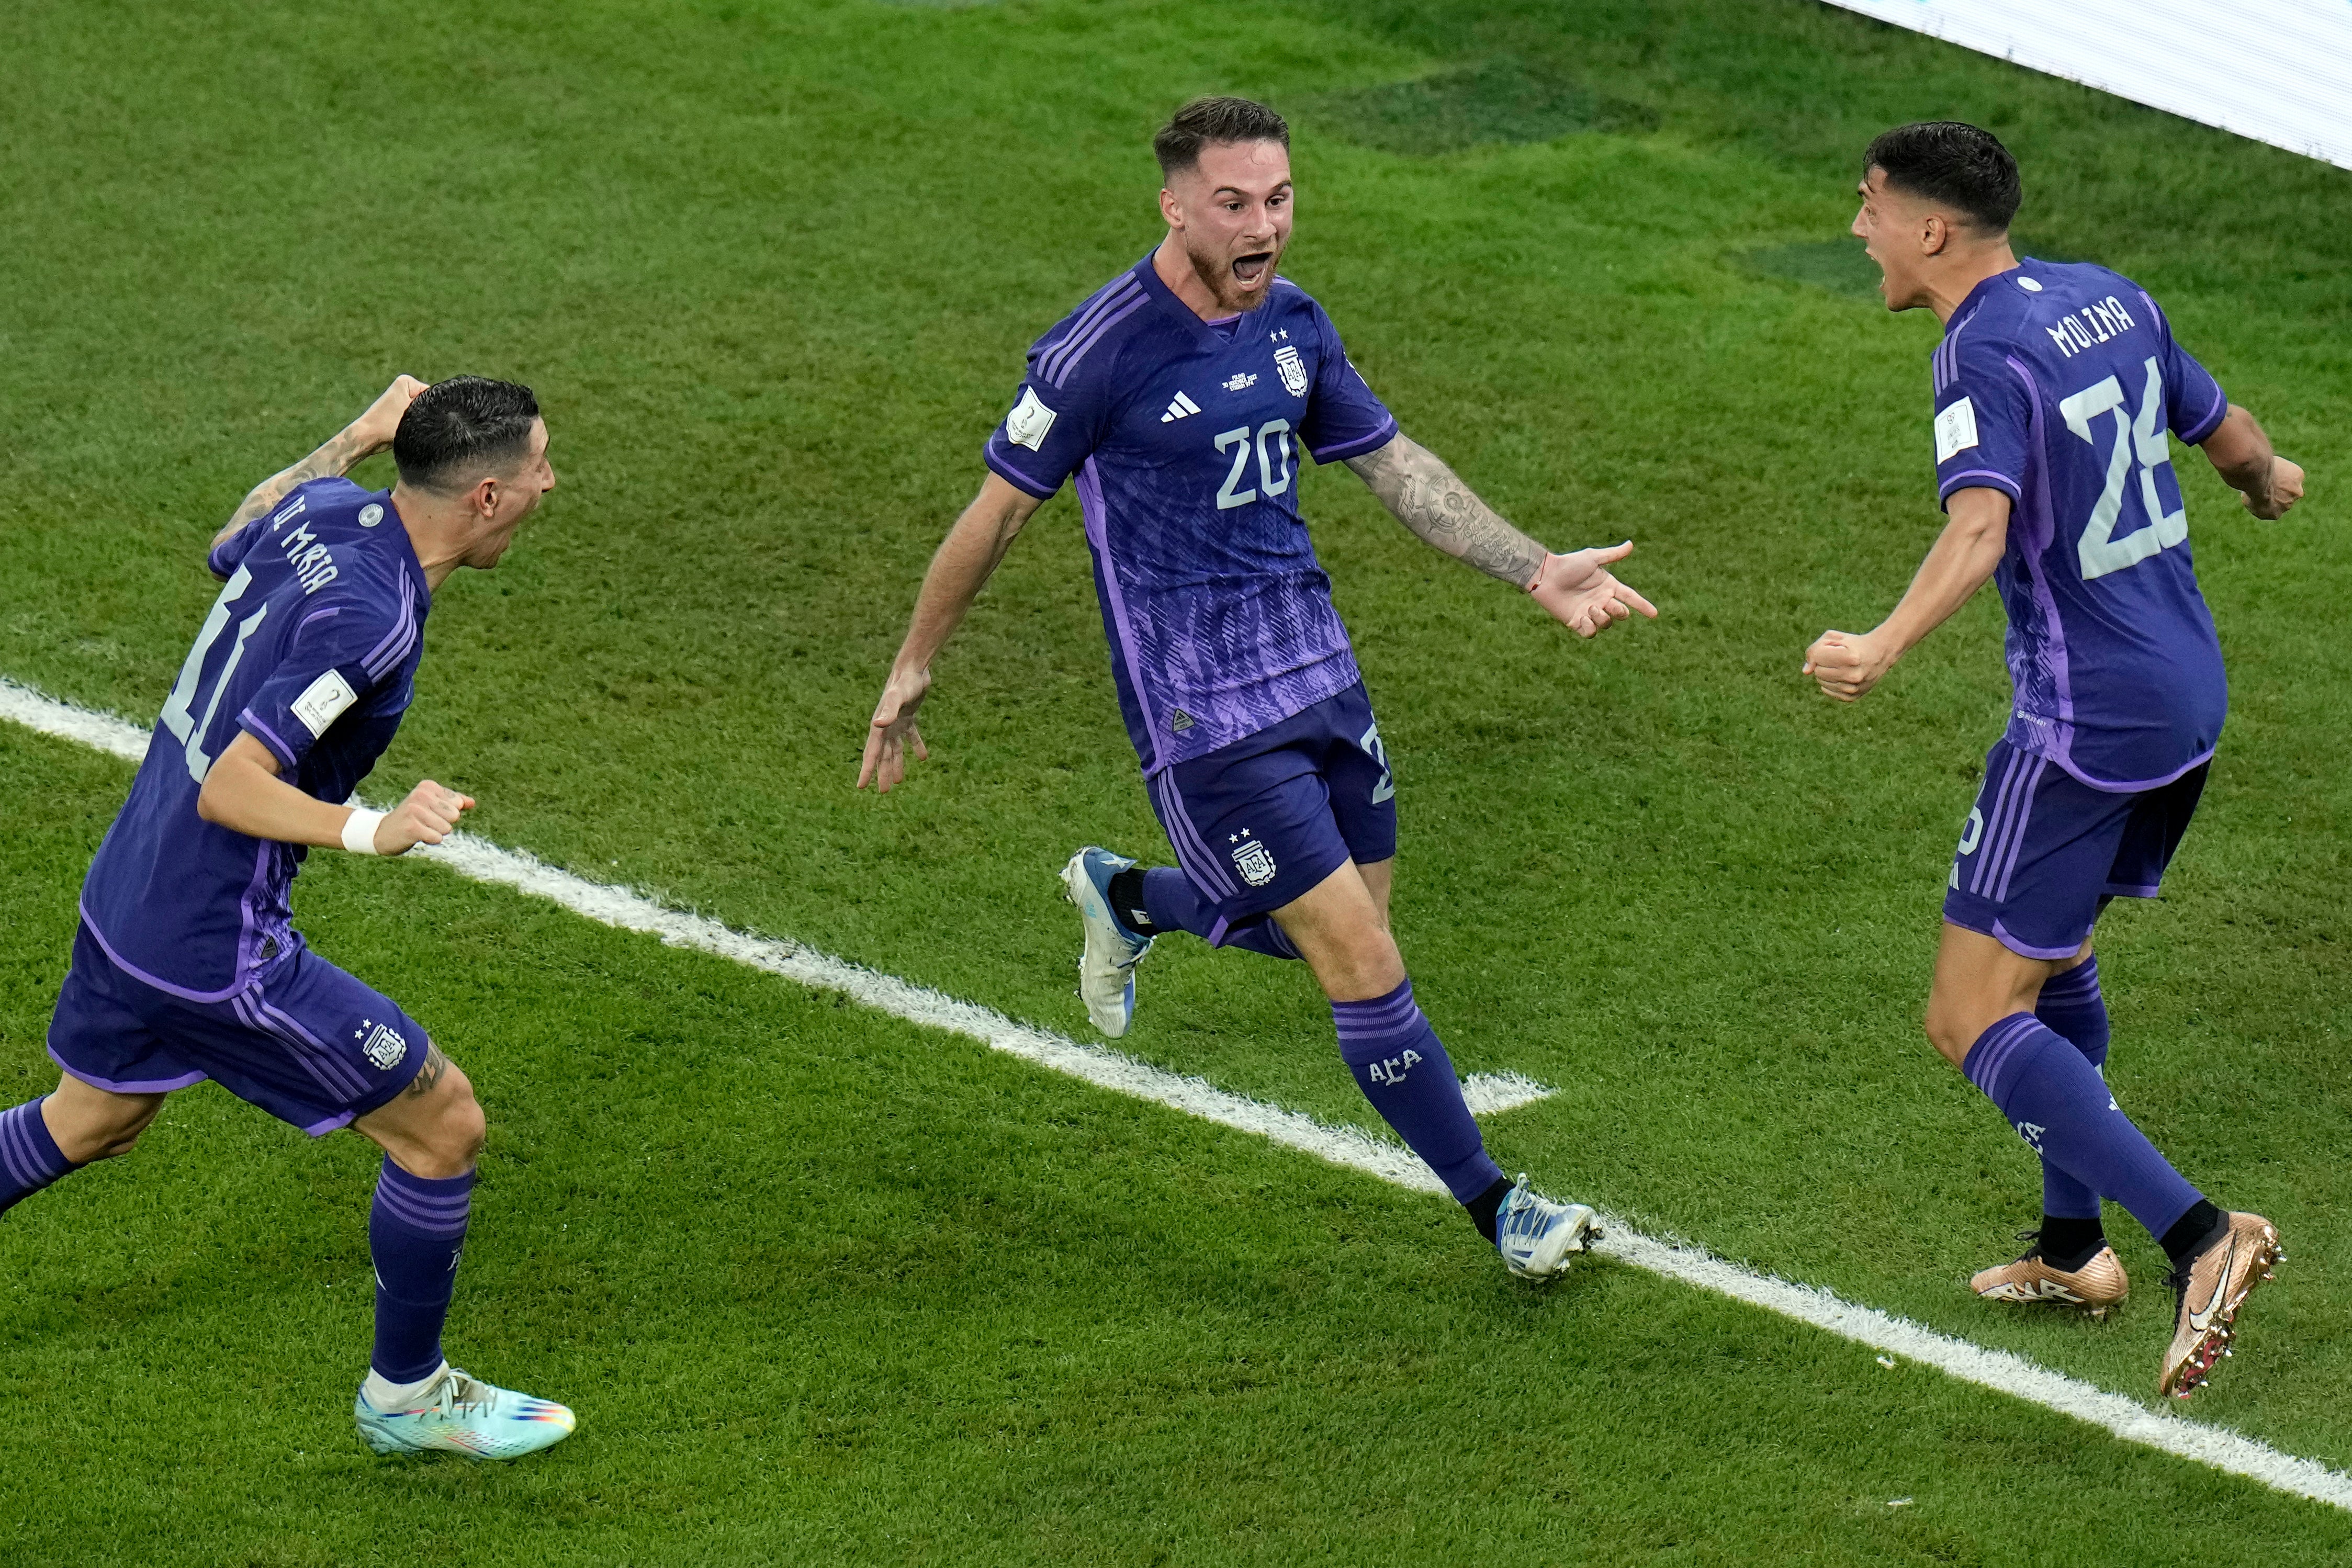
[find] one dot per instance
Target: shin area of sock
(416, 1233)
(2072, 1008)
(1407, 1075)
(2061, 1107)
(1175, 904)
(30, 1157)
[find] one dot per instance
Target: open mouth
(1249, 269)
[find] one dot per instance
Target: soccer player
(187, 965)
(2055, 391)
(1180, 395)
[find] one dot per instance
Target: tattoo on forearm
(1432, 501)
(435, 1064)
(337, 456)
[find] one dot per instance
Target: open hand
(428, 816)
(2283, 490)
(893, 730)
(375, 428)
(1846, 664)
(1579, 591)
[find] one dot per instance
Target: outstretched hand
(893, 730)
(1580, 593)
(428, 816)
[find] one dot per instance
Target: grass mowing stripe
(2001, 1371)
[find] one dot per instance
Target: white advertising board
(2276, 71)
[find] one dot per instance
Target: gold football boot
(2096, 1286)
(2213, 1286)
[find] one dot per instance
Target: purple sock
(29, 1158)
(1175, 904)
(416, 1232)
(1406, 1075)
(2072, 1008)
(2060, 1106)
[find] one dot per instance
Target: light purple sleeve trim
(2213, 420)
(2119, 890)
(1014, 477)
(251, 723)
(332, 1123)
(2000, 482)
(1357, 448)
(113, 1086)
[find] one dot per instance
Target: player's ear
(1170, 210)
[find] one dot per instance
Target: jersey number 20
(2100, 551)
(1269, 480)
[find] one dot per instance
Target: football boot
(1107, 963)
(2095, 1286)
(2212, 1285)
(460, 1414)
(1536, 1235)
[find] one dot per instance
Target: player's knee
(452, 1138)
(1946, 1032)
(110, 1133)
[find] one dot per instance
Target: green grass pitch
(828, 1287)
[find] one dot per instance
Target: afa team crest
(1254, 861)
(384, 1048)
(1293, 369)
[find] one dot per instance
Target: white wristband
(359, 831)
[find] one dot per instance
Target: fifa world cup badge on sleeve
(1030, 420)
(322, 702)
(1956, 431)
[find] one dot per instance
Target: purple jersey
(1184, 438)
(311, 649)
(2056, 385)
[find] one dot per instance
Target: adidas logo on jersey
(1182, 405)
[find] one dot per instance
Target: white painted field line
(1995, 1369)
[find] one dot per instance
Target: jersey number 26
(2100, 552)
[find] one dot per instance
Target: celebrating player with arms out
(1180, 395)
(2055, 387)
(187, 965)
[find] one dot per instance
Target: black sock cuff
(1124, 896)
(1487, 1205)
(2190, 1232)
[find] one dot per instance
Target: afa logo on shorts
(1251, 859)
(384, 1048)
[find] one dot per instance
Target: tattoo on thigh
(435, 1064)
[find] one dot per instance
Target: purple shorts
(1258, 823)
(2042, 852)
(306, 1041)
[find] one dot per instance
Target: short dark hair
(466, 421)
(1205, 121)
(1961, 166)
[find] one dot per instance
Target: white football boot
(1536, 1235)
(1107, 964)
(459, 1414)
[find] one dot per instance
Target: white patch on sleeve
(1956, 431)
(1030, 420)
(324, 702)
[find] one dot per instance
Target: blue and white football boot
(458, 1414)
(1536, 1235)
(1107, 964)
